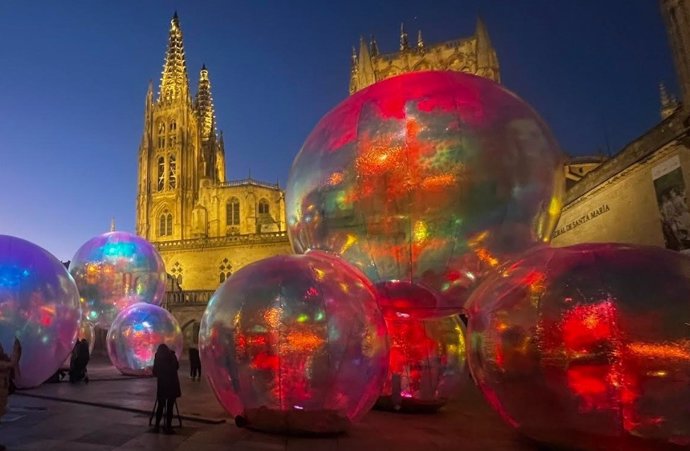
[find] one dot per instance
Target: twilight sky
(74, 75)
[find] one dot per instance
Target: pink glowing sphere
(135, 335)
(295, 344)
(116, 270)
(425, 181)
(587, 345)
(39, 306)
(427, 364)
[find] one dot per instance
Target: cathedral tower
(179, 148)
(676, 14)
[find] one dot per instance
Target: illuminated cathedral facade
(204, 226)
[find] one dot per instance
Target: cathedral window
(172, 140)
(263, 207)
(161, 173)
(165, 223)
(225, 270)
(232, 212)
(161, 128)
(172, 175)
(176, 273)
(161, 141)
(173, 126)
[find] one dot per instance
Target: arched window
(232, 212)
(173, 125)
(161, 128)
(263, 206)
(172, 174)
(165, 223)
(225, 270)
(161, 173)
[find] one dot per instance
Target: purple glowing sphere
(39, 305)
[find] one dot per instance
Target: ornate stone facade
(204, 226)
(474, 55)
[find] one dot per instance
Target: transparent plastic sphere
(39, 305)
(427, 364)
(116, 270)
(428, 179)
(295, 344)
(135, 335)
(587, 345)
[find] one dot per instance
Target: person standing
(194, 363)
(9, 368)
(165, 366)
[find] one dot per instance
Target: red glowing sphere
(425, 181)
(427, 364)
(587, 345)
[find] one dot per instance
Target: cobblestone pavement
(91, 417)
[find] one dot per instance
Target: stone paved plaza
(112, 413)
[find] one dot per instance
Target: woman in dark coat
(165, 366)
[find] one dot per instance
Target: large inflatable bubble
(135, 335)
(587, 345)
(114, 271)
(424, 181)
(427, 364)
(295, 344)
(39, 305)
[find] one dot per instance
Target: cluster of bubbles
(135, 335)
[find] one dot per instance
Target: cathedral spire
(174, 82)
(668, 103)
(373, 46)
(204, 106)
(420, 41)
(404, 44)
(487, 61)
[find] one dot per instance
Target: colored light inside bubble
(424, 174)
(587, 332)
(116, 270)
(270, 364)
(135, 335)
(39, 306)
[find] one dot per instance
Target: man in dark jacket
(194, 363)
(165, 366)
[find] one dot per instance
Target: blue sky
(74, 75)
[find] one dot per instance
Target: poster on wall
(671, 198)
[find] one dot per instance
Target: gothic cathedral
(204, 226)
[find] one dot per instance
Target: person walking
(165, 366)
(194, 363)
(9, 368)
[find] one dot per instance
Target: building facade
(639, 196)
(473, 55)
(204, 226)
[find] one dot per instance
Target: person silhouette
(9, 369)
(194, 363)
(165, 366)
